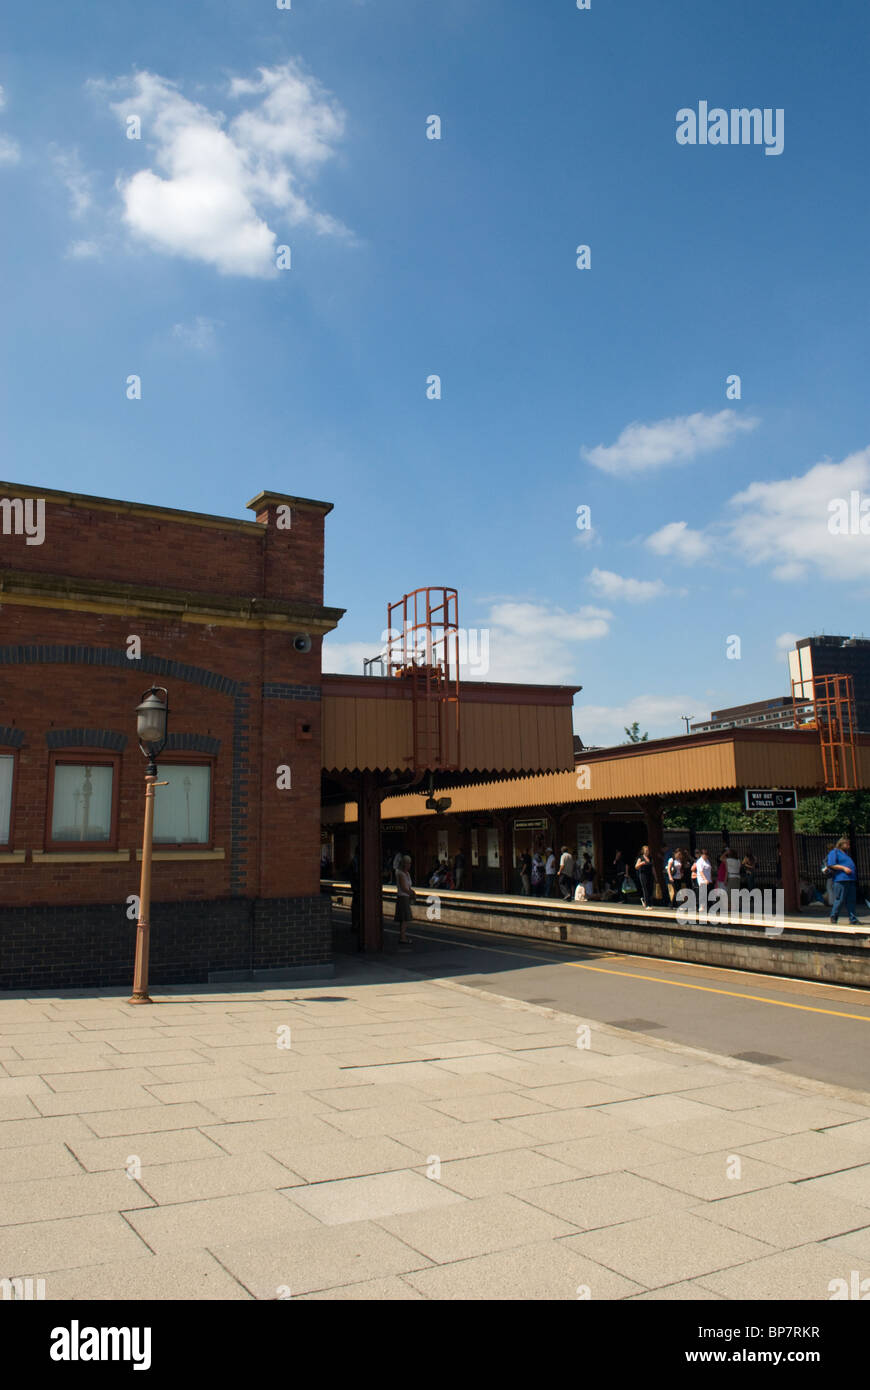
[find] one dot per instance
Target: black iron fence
(812, 852)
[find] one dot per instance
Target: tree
(832, 813)
(634, 734)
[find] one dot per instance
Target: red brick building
(97, 603)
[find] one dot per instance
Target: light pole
(152, 716)
(685, 718)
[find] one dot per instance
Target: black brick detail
(239, 793)
(57, 655)
(278, 690)
(93, 946)
(11, 738)
(86, 738)
(193, 743)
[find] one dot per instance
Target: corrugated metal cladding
(365, 734)
(724, 764)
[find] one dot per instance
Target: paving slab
(265, 1136)
(806, 1272)
(851, 1183)
(549, 1127)
(511, 1170)
(605, 1198)
(855, 1243)
(218, 1221)
(811, 1154)
(158, 1147)
(692, 1291)
(345, 1158)
(661, 1110)
(370, 1197)
(787, 1215)
(42, 1131)
(707, 1135)
(794, 1116)
(666, 1249)
(17, 1108)
(143, 1119)
(316, 1258)
(546, 1270)
(614, 1151)
(33, 1161)
(715, 1175)
(48, 1199)
(497, 1106)
(475, 1227)
(390, 1120)
(370, 1291)
(226, 1176)
(41, 1246)
(452, 1139)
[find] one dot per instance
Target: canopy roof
(368, 726)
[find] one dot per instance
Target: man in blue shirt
(844, 877)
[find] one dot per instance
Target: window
(82, 809)
(7, 763)
(182, 810)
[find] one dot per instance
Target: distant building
(811, 656)
(834, 656)
(763, 714)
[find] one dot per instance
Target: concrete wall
(808, 953)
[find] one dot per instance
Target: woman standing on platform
(644, 870)
(404, 894)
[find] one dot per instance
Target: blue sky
(411, 257)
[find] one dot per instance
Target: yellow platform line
(708, 989)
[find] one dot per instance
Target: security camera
(302, 642)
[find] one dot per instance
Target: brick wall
(240, 694)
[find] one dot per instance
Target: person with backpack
(537, 874)
(674, 875)
(526, 873)
(841, 868)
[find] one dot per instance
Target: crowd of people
(543, 875)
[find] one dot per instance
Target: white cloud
(615, 587)
(215, 182)
(68, 167)
(786, 523)
(675, 539)
(84, 250)
(658, 715)
(517, 641)
(2, 97)
(199, 335)
(785, 642)
(677, 440)
(10, 150)
(346, 658)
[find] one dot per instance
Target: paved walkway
(415, 1140)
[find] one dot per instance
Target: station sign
(530, 824)
(769, 799)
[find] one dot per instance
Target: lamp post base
(140, 999)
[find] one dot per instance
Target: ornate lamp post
(151, 721)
